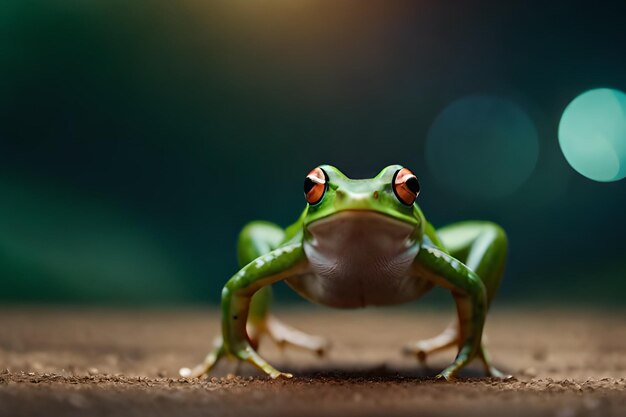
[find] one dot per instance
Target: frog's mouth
(350, 226)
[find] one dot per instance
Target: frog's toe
(208, 363)
(323, 348)
(423, 348)
(418, 350)
(283, 335)
(281, 375)
(443, 377)
(449, 373)
(195, 372)
(494, 372)
(491, 370)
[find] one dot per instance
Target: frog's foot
(423, 348)
(491, 370)
(209, 362)
(244, 354)
(279, 332)
(463, 359)
(283, 334)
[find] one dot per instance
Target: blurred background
(137, 138)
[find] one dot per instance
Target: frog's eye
(405, 186)
(315, 185)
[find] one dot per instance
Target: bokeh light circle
(482, 146)
(592, 134)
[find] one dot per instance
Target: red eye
(315, 186)
(405, 186)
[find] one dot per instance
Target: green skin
(467, 258)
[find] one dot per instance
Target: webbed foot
(449, 338)
(209, 362)
(279, 332)
(245, 353)
(450, 372)
(491, 370)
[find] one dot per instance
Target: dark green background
(137, 137)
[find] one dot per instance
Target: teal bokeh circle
(592, 134)
(482, 147)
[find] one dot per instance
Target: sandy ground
(124, 363)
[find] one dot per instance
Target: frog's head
(392, 193)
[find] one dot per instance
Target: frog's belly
(359, 258)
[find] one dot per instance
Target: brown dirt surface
(53, 362)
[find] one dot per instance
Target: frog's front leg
(278, 264)
(482, 247)
(256, 239)
(469, 294)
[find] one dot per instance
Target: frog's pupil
(413, 184)
(308, 185)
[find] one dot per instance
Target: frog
(359, 243)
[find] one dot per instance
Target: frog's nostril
(375, 195)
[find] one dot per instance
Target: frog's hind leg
(283, 334)
(262, 323)
(482, 246)
(423, 348)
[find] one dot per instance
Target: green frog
(358, 243)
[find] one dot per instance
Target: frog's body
(361, 243)
(359, 258)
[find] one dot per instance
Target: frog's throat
(359, 215)
(360, 224)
